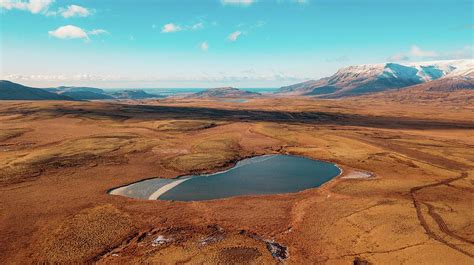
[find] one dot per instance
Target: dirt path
(436, 217)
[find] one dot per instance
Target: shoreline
(155, 195)
(240, 163)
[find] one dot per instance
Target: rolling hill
(225, 92)
(134, 94)
(14, 91)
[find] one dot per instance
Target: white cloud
(401, 56)
(342, 58)
(238, 2)
(33, 6)
(224, 77)
(415, 52)
(466, 52)
(197, 26)
(98, 32)
(204, 46)
(73, 32)
(74, 11)
(234, 35)
(42, 7)
(418, 52)
(60, 77)
(170, 27)
(36, 6)
(302, 2)
(69, 32)
(260, 24)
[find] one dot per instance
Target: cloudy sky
(209, 43)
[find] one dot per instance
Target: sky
(212, 43)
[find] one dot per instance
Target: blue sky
(210, 43)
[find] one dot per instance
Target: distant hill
(134, 94)
(14, 91)
(64, 89)
(367, 79)
(86, 95)
(224, 92)
(453, 91)
(446, 85)
(80, 93)
(91, 93)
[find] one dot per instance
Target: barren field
(59, 159)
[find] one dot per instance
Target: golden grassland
(59, 159)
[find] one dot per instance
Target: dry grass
(77, 240)
(59, 159)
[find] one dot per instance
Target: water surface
(186, 91)
(268, 174)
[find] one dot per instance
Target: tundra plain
(58, 159)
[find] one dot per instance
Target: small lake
(268, 174)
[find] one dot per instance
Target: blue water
(183, 91)
(267, 174)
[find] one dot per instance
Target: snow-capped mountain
(370, 78)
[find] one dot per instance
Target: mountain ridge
(13, 91)
(371, 78)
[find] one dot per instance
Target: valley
(237, 132)
(59, 159)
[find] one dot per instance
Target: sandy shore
(356, 174)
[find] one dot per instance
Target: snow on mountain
(426, 71)
(369, 78)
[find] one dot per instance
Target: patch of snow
(160, 240)
(420, 71)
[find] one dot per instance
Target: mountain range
(14, 91)
(424, 77)
(372, 78)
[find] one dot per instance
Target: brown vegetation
(58, 159)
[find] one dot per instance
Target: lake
(267, 174)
